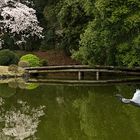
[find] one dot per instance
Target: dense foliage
(33, 60)
(8, 57)
(95, 32)
(112, 37)
(104, 32)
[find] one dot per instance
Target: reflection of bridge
(80, 71)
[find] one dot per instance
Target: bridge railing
(84, 67)
(81, 69)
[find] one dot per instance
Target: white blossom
(19, 20)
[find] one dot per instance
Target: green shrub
(44, 62)
(8, 57)
(33, 60)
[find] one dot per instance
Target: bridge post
(97, 75)
(80, 75)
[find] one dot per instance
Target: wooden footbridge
(80, 71)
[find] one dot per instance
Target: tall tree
(18, 22)
(73, 17)
(113, 37)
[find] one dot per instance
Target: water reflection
(6, 91)
(73, 113)
(60, 100)
(20, 121)
(19, 83)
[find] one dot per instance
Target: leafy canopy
(113, 36)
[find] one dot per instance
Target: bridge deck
(85, 70)
(81, 69)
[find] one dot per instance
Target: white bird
(135, 99)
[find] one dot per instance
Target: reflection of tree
(103, 117)
(21, 122)
(20, 83)
(125, 90)
(31, 86)
(76, 113)
(6, 91)
(62, 120)
(130, 111)
(87, 116)
(1, 102)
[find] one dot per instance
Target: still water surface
(48, 112)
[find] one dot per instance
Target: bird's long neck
(126, 101)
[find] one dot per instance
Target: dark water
(68, 113)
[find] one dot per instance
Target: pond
(62, 112)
